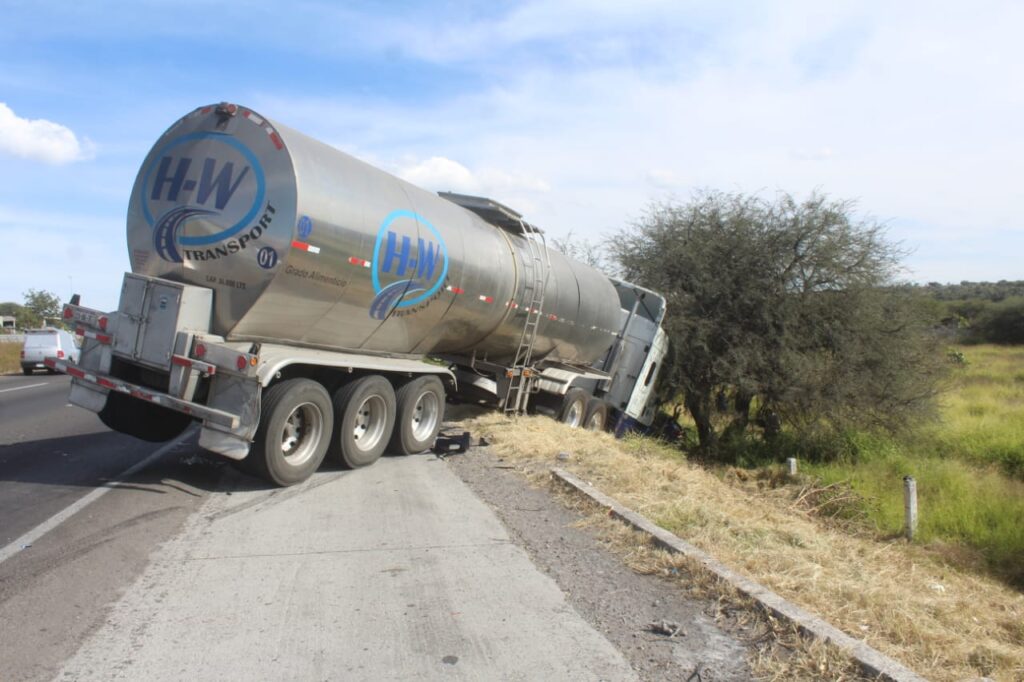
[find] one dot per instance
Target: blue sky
(577, 114)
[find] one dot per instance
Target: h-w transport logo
(202, 194)
(410, 263)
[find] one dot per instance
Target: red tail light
(103, 323)
(60, 354)
(68, 313)
(22, 355)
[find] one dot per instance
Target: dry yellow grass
(944, 623)
(10, 358)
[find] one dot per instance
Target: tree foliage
(42, 306)
(1001, 322)
(782, 312)
(984, 291)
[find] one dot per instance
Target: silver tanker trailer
(296, 301)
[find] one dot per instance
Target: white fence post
(910, 505)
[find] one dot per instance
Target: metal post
(910, 505)
(791, 461)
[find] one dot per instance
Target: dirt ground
(629, 609)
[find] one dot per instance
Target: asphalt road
(58, 576)
(187, 569)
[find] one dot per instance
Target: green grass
(10, 358)
(960, 504)
(969, 466)
(983, 417)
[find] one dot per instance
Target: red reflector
(200, 350)
(60, 354)
(103, 323)
(68, 313)
(241, 363)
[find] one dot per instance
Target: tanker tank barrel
(305, 244)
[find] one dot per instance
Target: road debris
(666, 627)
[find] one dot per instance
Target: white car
(47, 343)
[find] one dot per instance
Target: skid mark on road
(26, 540)
(47, 563)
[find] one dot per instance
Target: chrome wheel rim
(302, 432)
(371, 418)
(425, 415)
(596, 422)
(575, 415)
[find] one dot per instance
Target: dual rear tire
(581, 410)
(301, 423)
(420, 404)
(365, 411)
(294, 431)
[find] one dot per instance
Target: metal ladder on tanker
(521, 373)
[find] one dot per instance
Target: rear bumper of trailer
(103, 384)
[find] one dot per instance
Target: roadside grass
(10, 358)
(969, 467)
(972, 513)
(982, 419)
(909, 601)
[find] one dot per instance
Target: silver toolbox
(152, 311)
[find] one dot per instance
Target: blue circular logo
(201, 175)
(409, 266)
(266, 257)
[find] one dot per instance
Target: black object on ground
(452, 444)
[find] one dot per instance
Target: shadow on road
(97, 459)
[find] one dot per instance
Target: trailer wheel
(420, 410)
(365, 414)
(294, 431)
(597, 415)
(574, 407)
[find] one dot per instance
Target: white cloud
(441, 174)
(40, 139)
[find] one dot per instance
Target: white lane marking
(46, 526)
(21, 388)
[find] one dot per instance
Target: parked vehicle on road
(49, 342)
(298, 302)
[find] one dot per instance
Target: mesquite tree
(782, 313)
